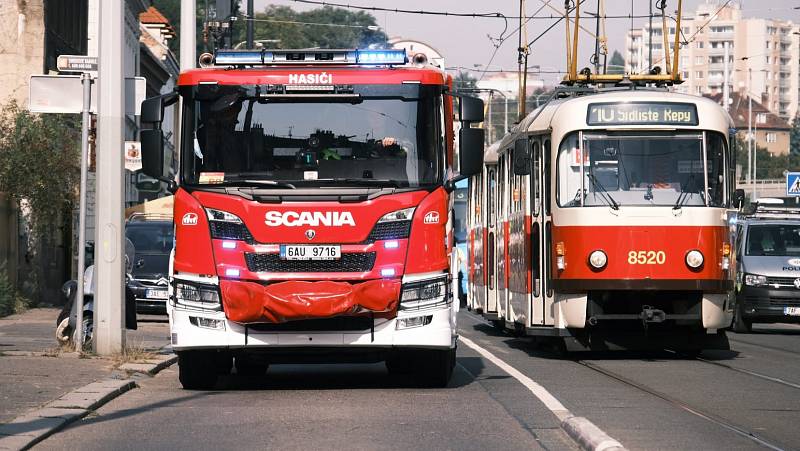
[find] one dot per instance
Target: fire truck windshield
(368, 135)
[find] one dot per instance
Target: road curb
(31, 428)
(588, 435)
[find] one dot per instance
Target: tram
(600, 221)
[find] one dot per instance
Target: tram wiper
(603, 191)
(685, 193)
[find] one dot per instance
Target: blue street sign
(793, 184)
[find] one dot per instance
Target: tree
(617, 63)
(794, 136)
(326, 27)
(465, 80)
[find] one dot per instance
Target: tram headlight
(694, 259)
(598, 259)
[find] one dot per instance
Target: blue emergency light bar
(367, 57)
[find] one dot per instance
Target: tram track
(756, 374)
(682, 405)
(760, 345)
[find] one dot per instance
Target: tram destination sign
(641, 113)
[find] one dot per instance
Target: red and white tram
(602, 219)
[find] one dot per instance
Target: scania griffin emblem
(310, 234)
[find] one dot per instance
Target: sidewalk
(33, 371)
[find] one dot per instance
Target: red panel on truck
(250, 302)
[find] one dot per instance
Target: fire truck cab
(313, 211)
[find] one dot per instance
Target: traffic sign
(62, 94)
(793, 184)
(76, 63)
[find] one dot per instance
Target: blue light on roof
(386, 57)
(392, 56)
(239, 57)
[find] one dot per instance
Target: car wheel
(196, 370)
(740, 324)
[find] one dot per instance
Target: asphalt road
(748, 398)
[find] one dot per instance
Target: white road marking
(550, 401)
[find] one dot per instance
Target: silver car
(768, 269)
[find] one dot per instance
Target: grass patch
(10, 300)
(133, 354)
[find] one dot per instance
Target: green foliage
(794, 136)
(40, 162)
(616, 65)
(273, 23)
(767, 165)
(10, 301)
(465, 80)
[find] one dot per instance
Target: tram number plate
(647, 257)
(310, 252)
(791, 311)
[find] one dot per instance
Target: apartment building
(763, 54)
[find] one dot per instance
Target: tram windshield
(652, 169)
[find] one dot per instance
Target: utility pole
(250, 24)
(650, 40)
(749, 128)
(725, 77)
(109, 324)
(520, 67)
(188, 47)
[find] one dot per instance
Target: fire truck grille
(230, 231)
(395, 230)
(350, 262)
(338, 323)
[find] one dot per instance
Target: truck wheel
(196, 370)
(740, 324)
(435, 368)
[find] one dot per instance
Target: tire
(740, 324)
(64, 332)
(88, 332)
(498, 325)
(436, 367)
(196, 370)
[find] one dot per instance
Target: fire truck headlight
(198, 296)
(694, 259)
(399, 215)
(223, 216)
(425, 293)
(598, 259)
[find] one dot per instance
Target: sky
(465, 42)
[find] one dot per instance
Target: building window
(698, 74)
(698, 60)
(699, 44)
(761, 118)
(772, 137)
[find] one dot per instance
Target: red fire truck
(313, 211)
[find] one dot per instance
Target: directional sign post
(793, 184)
(76, 63)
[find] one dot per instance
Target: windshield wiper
(363, 182)
(270, 183)
(685, 193)
(602, 190)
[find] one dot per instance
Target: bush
(10, 301)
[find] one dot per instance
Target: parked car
(768, 266)
(153, 237)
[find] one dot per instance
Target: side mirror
(152, 152)
(470, 150)
(470, 109)
(522, 157)
(738, 198)
(153, 108)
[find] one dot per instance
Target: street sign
(63, 94)
(76, 63)
(793, 184)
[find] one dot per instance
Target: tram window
(641, 169)
(535, 180)
(491, 200)
(547, 185)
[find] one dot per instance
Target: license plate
(310, 252)
(156, 294)
(791, 311)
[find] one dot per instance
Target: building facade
(763, 54)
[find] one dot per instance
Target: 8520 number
(647, 257)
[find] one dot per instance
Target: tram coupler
(652, 315)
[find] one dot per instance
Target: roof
(154, 17)
(738, 112)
